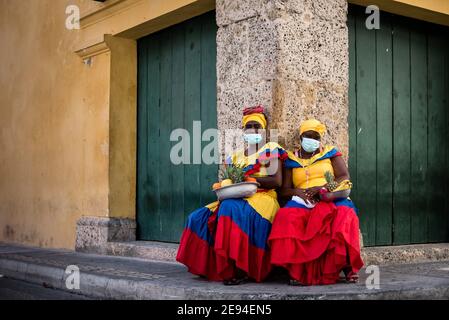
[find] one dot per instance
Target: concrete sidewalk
(107, 277)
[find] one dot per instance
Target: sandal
(294, 282)
(234, 281)
(351, 277)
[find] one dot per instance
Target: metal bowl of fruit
(237, 190)
(331, 196)
(235, 184)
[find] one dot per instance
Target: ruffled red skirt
(216, 243)
(315, 245)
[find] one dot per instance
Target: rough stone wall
(290, 56)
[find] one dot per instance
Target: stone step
(414, 253)
(150, 250)
(384, 255)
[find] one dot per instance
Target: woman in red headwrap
(227, 240)
(315, 240)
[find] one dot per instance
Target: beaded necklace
(307, 165)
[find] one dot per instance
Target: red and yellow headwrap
(312, 125)
(254, 114)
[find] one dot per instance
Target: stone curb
(103, 287)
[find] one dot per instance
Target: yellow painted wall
(67, 130)
(53, 126)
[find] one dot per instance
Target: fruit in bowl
(235, 184)
(226, 182)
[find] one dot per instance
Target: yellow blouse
(311, 172)
(239, 158)
(313, 175)
(265, 203)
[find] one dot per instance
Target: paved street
(11, 289)
(108, 277)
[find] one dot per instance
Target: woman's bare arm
(273, 181)
(340, 169)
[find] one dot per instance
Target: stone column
(93, 233)
(290, 56)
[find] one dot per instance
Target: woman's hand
(312, 192)
(304, 194)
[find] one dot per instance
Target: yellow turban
(312, 125)
(258, 117)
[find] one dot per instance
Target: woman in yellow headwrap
(313, 239)
(228, 240)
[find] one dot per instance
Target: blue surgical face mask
(252, 138)
(310, 145)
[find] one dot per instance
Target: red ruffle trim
(198, 256)
(233, 249)
(315, 245)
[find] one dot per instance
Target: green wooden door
(399, 129)
(177, 85)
